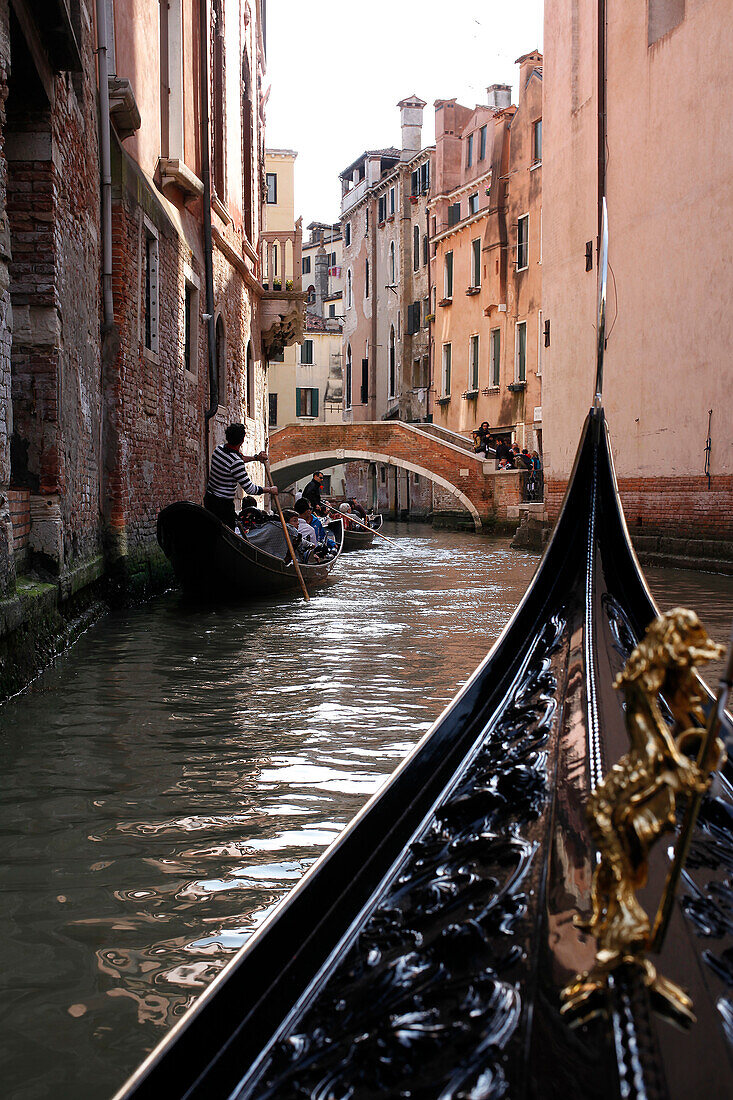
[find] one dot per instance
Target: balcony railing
(281, 258)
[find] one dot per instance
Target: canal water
(177, 771)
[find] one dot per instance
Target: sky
(338, 68)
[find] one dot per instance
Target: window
(523, 242)
(425, 176)
(537, 142)
(190, 324)
(383, 474)
(482, 143)
(382, 209)
(271, 178)
(448, 276)
(306, 353)
(415, 182)
(520, 352)
(250, 381)
(366, 220)
(366, 278)
(347, 234)
(476, 262)
(473, 352)
(495, 357)
(425, 311)
(392, 364)
(469, 151)
(415, 247)
(424, 249)
(218, 101)
(391, 200)
(347, 380)
(473, 203)
(539, 342)
(152, 290)
(278, 356)
(306, 265)
(348, 289)
(171, 75)
(326, 484)
(454, 213)
(272, 409)
(416, 479)
(220, 356)
(446, 369)
(413, 318)
(332, 310)
(392, 265)
(364, 381)
(311, 295)
(306, 402)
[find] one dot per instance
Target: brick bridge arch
(300, 449)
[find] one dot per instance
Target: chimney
(499, 96)
(411, 121)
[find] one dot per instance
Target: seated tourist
(357, 509)
(304, 512)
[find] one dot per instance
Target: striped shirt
(228, 469)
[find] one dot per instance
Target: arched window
(347, 387)
(392, 364)
(250, 382)
(392, 265)
(348, 289)
(311, 295)
(220, 347)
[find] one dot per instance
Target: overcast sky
(338, 68)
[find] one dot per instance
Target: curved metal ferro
(601, 316)
(635, 804)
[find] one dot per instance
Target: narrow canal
(176, 772)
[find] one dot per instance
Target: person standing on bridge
(227, 470)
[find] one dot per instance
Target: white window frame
(150, 238)
(191, 282)
(447, 369)
(473, 204)
(517, 344)
(474, 360)
(448, 290)
(524, 266)
(476, 262)
(494, 377)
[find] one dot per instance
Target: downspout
(208, 245)
(105, 162)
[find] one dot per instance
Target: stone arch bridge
(489, 496)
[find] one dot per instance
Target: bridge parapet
(487, 494)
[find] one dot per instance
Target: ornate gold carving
(635, 805)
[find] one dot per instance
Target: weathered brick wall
(52, 191)
(155, 443)
(682, 508)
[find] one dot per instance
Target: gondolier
(228, 469)
(312, 491)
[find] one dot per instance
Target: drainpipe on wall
(105, 162)
(208, 246)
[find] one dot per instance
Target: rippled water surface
(178, 770)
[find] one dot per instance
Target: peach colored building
(486, 222)
(670, 203)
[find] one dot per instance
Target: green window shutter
(314, 402)
(297, 403)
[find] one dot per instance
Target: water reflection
(173, 776)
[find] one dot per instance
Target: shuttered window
(306, 352)
(306, 402)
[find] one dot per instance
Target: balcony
(283, 298)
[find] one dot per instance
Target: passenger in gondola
(357, 509)
(313, 490)
(304, 513)
(345, 510)
(228, 469)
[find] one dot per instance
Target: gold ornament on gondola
(635, 806)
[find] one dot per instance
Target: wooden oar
(366, 526)
(291, 551)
